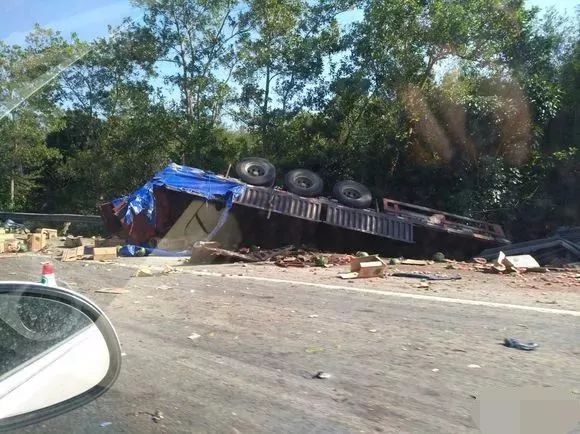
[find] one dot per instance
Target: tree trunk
(265, 146)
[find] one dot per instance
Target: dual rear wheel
(303, 182)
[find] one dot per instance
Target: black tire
(303, 183)
(353, 194)
(256, 171)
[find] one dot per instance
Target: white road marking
(430, 298)
(395, 294)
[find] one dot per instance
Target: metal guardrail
(21, 217)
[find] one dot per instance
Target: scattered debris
(415, 262)
(337, 259)
(515, 343)
(373, 330)
(104, 253)
(521, 261)
(547, 302)
(157, 416)
(12, 245)
(11, 226)
(473, 366)
(509, 264)
(427, 276)
(36, 242)
(144, 272)
(313, 316)
(194, 336)
(435, 370)
(365, 267)
(72, 241)
(73, 254)
(211, 252)
(168, 269)
(321, 375)
(113, 291)
(562, 247)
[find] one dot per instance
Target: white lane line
(394, 294)
(370, 291)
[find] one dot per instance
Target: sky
(90, 18)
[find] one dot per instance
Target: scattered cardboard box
(11, 245)
(520, 261)
(49, 234)
(36, 242)
(69, 255)
(104, 253)
(365, 267)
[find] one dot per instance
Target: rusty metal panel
(281, 202)
(370, 222)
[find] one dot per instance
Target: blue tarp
(184, 179)
(132, 250)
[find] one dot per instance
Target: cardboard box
(49, 234)
(108, 242)
(73, 254)
(104, 253)
(36, 242)
(365, 267)
(521, 261)
(11, 245)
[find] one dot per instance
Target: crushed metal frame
(326, 211)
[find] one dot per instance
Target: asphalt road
(395, 364)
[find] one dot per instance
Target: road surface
(396, 364)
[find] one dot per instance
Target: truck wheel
(353, 194)
(256, 171)
(304, 183)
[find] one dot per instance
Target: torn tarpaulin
(131, 250)
(143, 205)
(179, 178)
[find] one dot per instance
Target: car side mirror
(58, 351)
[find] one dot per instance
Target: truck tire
(303, 183)
(353, 194)
(256, 171)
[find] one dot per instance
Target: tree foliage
(471, 106)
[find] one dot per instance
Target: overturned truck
(181, 205)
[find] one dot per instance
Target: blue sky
(89, 18)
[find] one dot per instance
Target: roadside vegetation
(469, 106)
